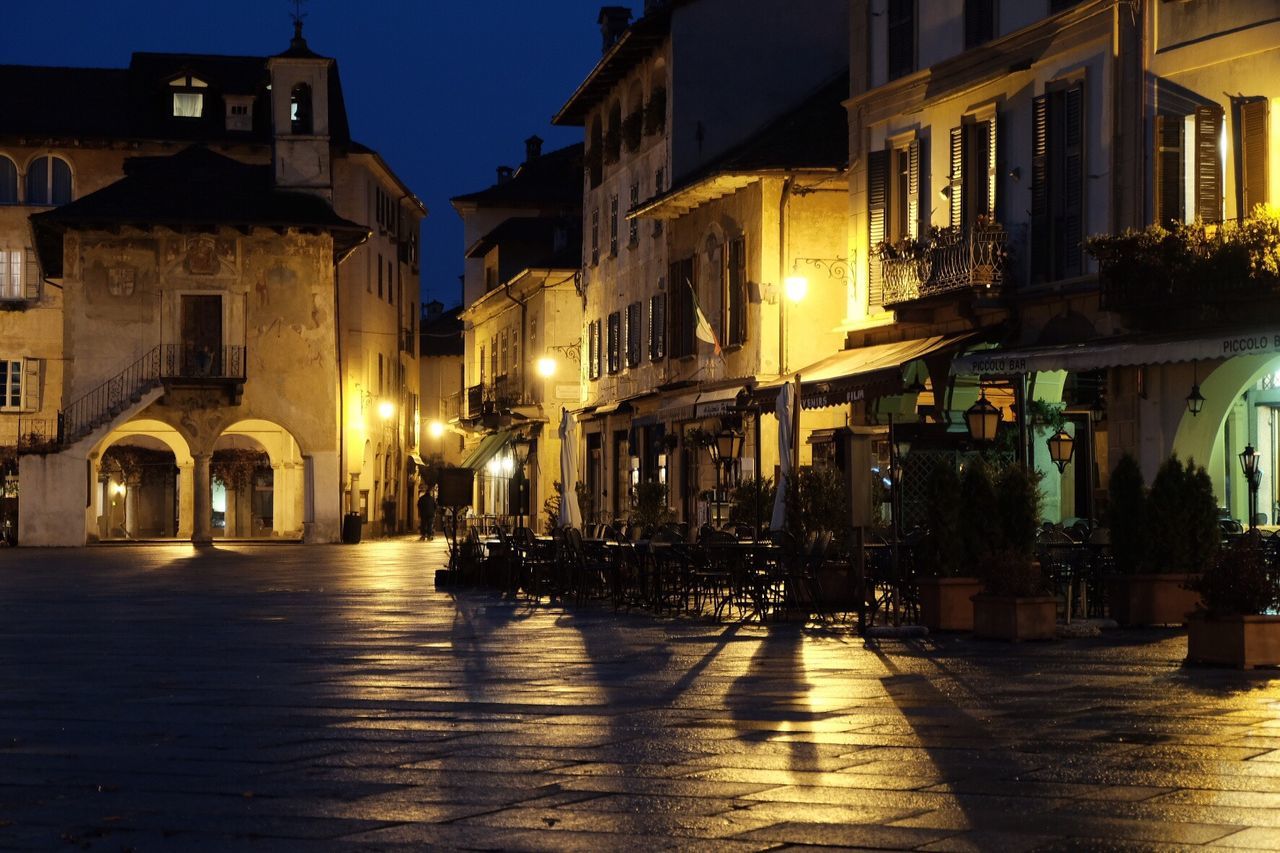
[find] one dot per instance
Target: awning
(485, 450)
(857, 374)
(1124, 351)
(721, 401)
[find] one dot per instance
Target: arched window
(189, 102)
(48, 181)
(300, 109)
(8, 181)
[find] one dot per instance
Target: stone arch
(268, 505)
(153, 509)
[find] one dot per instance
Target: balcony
(495, 398)
(949, 261)
(451, 406)
(1193, 273)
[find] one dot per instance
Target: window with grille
(734, 332)
(633, 225)
(633, 335)
(657, 327)
(593, 350)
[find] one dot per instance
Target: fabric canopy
(1119, 352)
(570, 512)
(485, 450)
(856, 374)
(785, 412)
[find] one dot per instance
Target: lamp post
(724, 448)
(1249, 464)
(520, 447)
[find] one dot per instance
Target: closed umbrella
(784, 411)
(570, 513)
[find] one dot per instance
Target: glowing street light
(797, 287)
(546, 367)
(386, 409)
(435, 429)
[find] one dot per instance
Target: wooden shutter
(657, 327)
(676, 291)
(1040, 188)
(877, 214)
(1253, 155)
(991, 166)
(979, 22)
(1170, 193)
(31, 384)
(1208, 174)
(1072, 234)
(957, 177)
(30, 276)
(913, 189)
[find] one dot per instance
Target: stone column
(202, 501)
(185, 494)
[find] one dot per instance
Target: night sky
(445, 90)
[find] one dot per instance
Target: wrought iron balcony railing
(954, 260)
(184, 361)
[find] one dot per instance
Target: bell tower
(301, 155)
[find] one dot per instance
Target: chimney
(504, 174)
(532, 148)
(613, 22)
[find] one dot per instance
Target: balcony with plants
(1193, 272)
(951, 260)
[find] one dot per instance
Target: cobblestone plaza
(280, 698)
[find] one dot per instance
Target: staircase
(95, 409)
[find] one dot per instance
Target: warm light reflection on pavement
(160, 697)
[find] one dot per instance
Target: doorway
(201, 346)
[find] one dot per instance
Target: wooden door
(201, 335)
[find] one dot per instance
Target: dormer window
(239, 112)
(300, 109)
(188, 97)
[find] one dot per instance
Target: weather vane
(298, 14)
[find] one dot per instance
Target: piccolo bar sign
(1118, 353)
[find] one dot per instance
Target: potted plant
(1164, 543)
(947, 586)
(752, 502)
(650, 510)
(1015, 603)
(1233, 626)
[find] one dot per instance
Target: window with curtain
(10, 384)
(8, 181)
(11, 274)
(188, 102)
(48, 181)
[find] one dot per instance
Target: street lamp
(983, 419)
(435, 429)
(546, 367)
(1195, 401)
(1249, 463)
(520, 447)
(797, 287)
(1061, 447)
(386, 409)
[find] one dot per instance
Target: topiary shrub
(1240, 581)
(1182, 516)
(1012, 569)
(942, 550)
(980, 533)
(1127, 517)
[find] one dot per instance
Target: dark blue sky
(445, 90)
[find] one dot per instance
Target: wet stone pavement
(281, 698)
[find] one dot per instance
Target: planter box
(946, 604)
(1151, 599)
(1000, 617)
(1240, 641)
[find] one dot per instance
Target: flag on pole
(703, 330)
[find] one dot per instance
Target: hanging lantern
(1195, 401)
(1098, 411)
(1061, 447)
(983, 419)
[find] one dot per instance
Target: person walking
(426, 516)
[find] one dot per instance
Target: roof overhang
(678, 201)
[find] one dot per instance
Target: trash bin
(351, 526)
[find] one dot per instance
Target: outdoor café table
(748, 566)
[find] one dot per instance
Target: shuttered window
(20, 385)
(680, 285)
(1208, 163)
(1170, 194)
(615, 342)
(1057, 184)
(877, 204)
(657, 327)
(633, 334)
(901, 37)
(735, 294)
(593, 350)
(979, 22)
(1253, 153)
(973, 178)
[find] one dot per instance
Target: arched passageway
(257, 482)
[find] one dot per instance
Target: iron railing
(451, 406)
(955, 259)
(109, 399)
(185, 361)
